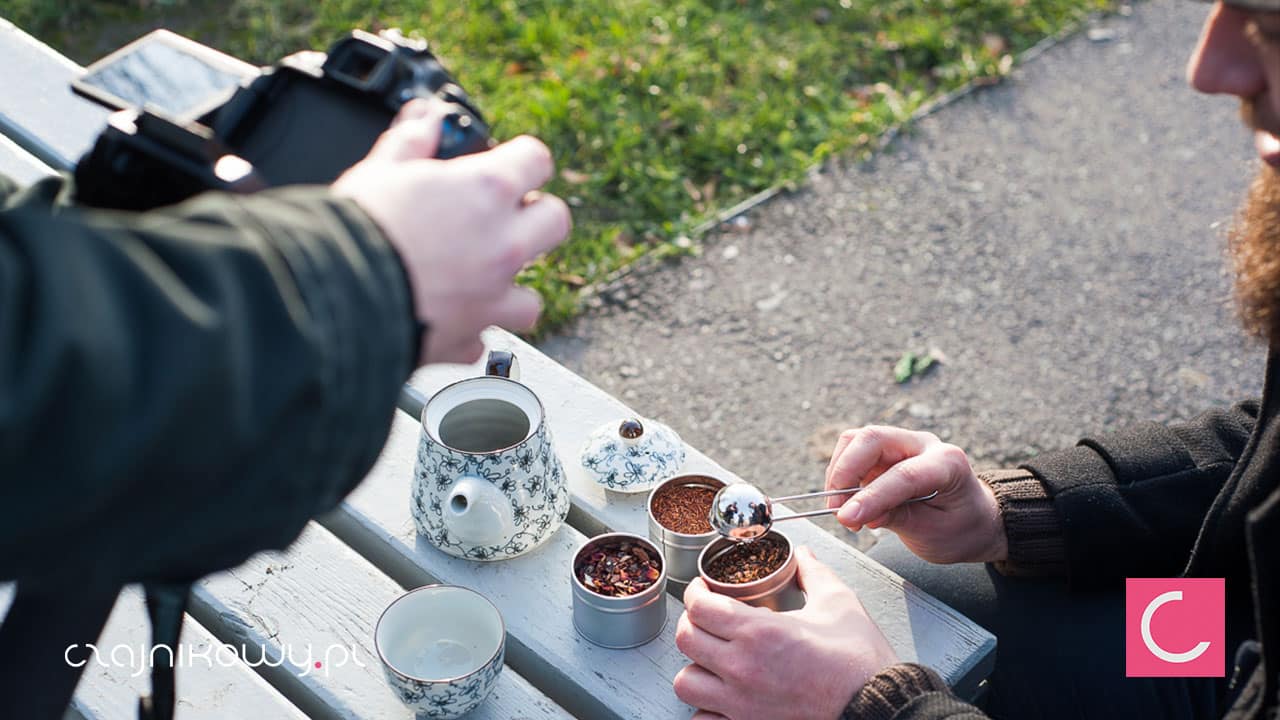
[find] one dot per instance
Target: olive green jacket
(182, 388)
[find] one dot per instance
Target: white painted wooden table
(265, 624)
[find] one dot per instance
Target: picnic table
(264, 625)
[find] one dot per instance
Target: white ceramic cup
(442, 648)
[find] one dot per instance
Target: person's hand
(751, 663)
(463, 227)
(961, 524)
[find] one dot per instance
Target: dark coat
(1200, 499)
(182, 388)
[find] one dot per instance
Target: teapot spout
(476, 512)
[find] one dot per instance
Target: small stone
(1193, 378)
(629, 371)
(919, 410)
(740, 224)
(822, 16)
(1101, 34)
(773, 302)
(683, 242)
(730, 252)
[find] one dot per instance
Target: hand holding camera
(193, 119)
(463, 227)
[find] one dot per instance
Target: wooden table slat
(320, 601)
(19, 165)
(210, 686)
(38, 111)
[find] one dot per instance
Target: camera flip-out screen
(165, 72)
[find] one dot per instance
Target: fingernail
(851, 513)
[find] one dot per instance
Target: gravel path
(1056, 237)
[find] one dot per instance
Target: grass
(659, 112)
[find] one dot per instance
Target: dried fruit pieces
(619, 569)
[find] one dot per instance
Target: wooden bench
(327, 590)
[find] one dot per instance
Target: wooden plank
(37, 108)
(211, 683)
(220, 687)
(920, 628)
(319, 601)
(532, 591)
(19, 165)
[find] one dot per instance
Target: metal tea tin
(680, 550)
(619, 622)
(778, 590)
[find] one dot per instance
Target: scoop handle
(825, 493)
(844, 491)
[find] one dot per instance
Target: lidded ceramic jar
(632, 455)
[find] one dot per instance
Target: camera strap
(43, 640)
(166, 604)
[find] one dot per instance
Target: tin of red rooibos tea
(677, 520)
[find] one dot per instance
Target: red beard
(1254, 245)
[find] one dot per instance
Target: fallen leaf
(902, 370)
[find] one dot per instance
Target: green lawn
(659, 112)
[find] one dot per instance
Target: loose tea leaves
(748, 561)
(618, 570)
(684, 508)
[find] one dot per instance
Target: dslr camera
(192, 119)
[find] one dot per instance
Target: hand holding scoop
(742, 512)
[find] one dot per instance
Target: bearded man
(1193, 500)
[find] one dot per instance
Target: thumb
(414, 133)
(816, 579)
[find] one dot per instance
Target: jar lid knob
(631, 429)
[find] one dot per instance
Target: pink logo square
(1175, 627)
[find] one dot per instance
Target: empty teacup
(442, 649)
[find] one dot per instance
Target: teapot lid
(632, 454)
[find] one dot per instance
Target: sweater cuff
(1031, 525)
(890, 690)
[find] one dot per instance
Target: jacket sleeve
(1131, 503)
(908, 691)
(184, 387)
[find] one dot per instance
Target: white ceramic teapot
(487, 484)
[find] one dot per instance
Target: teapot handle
(478, 513)
(502, 363)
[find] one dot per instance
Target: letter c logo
(1165, 655)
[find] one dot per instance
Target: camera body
(304, 120)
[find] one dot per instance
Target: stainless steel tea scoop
(742, 512)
